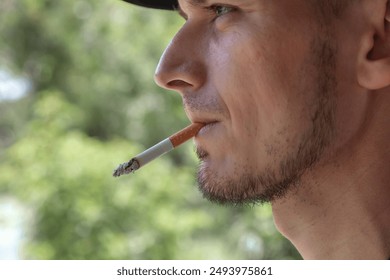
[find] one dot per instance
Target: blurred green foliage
(91, 64)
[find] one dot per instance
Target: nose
(181, 66)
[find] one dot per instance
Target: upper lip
(197, 118)
(204, 121)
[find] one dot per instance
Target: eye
(220, 10)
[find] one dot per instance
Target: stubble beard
(274, 183)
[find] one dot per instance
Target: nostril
(178, 84)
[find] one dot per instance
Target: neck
(341, 209)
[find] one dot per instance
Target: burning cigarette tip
(126, 168)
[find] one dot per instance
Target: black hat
(156, 4)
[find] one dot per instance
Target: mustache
(198, 103)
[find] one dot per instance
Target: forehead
(193, 2)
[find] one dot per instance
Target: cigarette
(159, 149)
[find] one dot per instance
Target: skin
(296, 100)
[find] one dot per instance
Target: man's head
(283, 86)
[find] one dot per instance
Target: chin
(234, 188)
(241, 184)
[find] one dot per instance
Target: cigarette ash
(126, 168)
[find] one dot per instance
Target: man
(296, 98)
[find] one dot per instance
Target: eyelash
(216, 9)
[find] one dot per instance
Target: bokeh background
(77, 98)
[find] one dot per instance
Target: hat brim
(155, 4)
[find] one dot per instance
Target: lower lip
(206, 128)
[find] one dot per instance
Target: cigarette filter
(159, 149)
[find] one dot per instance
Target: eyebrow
(197, 2)
(191, 3)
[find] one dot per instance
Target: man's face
(261, 75)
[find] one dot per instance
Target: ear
(374, 60)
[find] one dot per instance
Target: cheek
(253, 87)
(262, 88)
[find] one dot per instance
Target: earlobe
(375, 74)
(374, 63)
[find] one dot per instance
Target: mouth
(206, 139)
